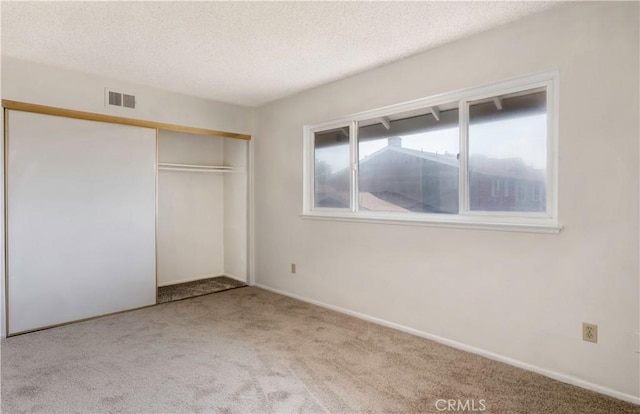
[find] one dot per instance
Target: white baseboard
(176, 282)
(468, 348)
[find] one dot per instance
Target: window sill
(460, 222)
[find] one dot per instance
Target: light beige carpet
(251, 351)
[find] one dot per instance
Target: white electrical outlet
(590, 332)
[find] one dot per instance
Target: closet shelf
(194, 167)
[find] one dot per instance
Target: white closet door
(81, 219)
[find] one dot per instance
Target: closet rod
(194, 167)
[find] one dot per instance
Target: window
(507, 148)
(409, 163)
(480, 158)
(331, 168)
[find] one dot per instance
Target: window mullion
(463, 157)
(353, 143)
(309, 170)
(552, 149)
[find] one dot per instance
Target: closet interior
(202, 214)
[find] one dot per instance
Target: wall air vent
(113, 98)
(128, 101)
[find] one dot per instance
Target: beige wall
(519, 296)
(47, 85)
(236, 208)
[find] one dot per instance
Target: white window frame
(537, 222)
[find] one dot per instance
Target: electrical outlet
(590, 332)
(293, 268)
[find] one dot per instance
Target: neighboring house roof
(447, 159)
(372, 202)
(502, 167)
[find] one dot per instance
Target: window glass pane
(410, 163)
(331, 168)
(508, 153)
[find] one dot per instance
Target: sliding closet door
(81, 219)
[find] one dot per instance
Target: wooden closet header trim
(90, 116)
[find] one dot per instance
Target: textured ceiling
(246, 53)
